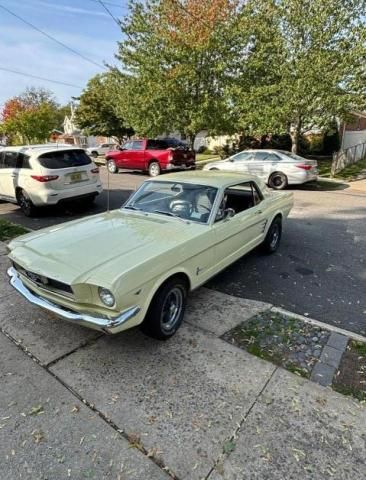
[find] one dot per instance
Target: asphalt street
(319, 270)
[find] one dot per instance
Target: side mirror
(228, 213)
(230, 159)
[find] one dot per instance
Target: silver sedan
(277, 168)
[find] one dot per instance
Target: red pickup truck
(153, 156)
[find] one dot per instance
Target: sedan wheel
(154, 169)
(166, 310)
(94, 154)
(278, 181)
(112, 167)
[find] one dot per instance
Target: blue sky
(81, 24)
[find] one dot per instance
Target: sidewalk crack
(223, 456)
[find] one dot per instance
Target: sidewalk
(77, 404)
(359, 185)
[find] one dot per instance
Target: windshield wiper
(171, 214)
(131, 207)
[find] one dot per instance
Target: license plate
(75, 177)
(185, 155)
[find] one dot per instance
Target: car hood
(111, 242)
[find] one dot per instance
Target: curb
(325, 326)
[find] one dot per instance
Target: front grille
(44, 282)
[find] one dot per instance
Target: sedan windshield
(175, 199)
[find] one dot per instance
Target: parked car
(40, 175)
(153, 156)
(172, 235)
(277, 168)
(101, 149)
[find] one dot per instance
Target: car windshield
(176, 199)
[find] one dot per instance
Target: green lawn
(347, 174)
(200, 157)
(10, 230)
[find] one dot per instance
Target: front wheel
(166, 310)
(278, 181)
(112, 167)
(94, 154)
(26, 204)
(273, 237)
(154, 169)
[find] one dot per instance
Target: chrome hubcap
(172, 308)
(154, 170)
(111, 167)
(277, 181)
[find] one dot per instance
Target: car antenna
(107, 189)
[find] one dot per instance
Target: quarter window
(10, 159)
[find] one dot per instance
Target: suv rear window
(64, 159)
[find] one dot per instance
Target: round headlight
(106, 296)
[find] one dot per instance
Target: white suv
(101, 149)
(40, 175)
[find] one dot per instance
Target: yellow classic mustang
(135, 265)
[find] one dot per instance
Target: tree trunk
(295, 135)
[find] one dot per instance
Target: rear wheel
(26, 204)
(166, 310)
(278, 181)
(94, 154)
(154, 169)
(273, 237)
(112, 167)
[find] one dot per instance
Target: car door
(137, 155)
(8, 174)
(240, 233)
(241, 162)
(258, 165)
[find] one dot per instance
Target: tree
(97, 112)
(306, 62)
(30, 116)
(176, 66)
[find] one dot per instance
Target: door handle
(258, 212)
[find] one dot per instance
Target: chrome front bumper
(107, 325)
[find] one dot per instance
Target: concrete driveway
(320, 269)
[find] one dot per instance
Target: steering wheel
(182, 208)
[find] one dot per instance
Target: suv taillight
(44, 178)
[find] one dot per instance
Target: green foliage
(97, 112)
(332, 141)
(30, 117)
(176, 67)
(305, 64)
(10, 230)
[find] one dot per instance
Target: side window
(127, 146)
(240, 197)
(241, 157)
(261, 156)
(10, 159)
(1, 159)
(274, 158)
(136, 145)
(23, 161)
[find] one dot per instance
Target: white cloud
(71, 10)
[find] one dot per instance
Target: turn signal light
(44, 178)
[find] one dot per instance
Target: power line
(111, 4)
(51, 37)
(39, 78)
(110, 13)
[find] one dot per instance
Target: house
(353, 130)
(73, 135)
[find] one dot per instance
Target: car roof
(215, 178)
(43, 148)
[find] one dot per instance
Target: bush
(202, 149)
